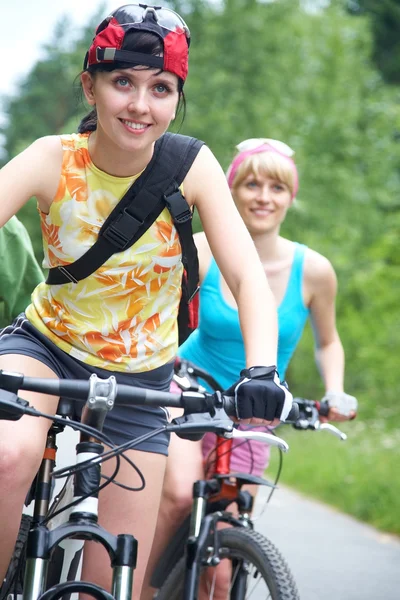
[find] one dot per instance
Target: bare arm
(329, 353)
(321, 279)
(33, 172)
(236, 256)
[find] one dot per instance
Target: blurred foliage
(48, 102)
(385, 28)
(275, 70)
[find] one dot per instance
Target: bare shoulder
(43, 149)
(205, 174)
(46, 152)
(40, 165)
(318, 272)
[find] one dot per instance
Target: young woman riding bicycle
(264, 182)
(121, 320)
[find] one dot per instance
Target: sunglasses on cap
(109, 43)
(253, 143)
(165, 17)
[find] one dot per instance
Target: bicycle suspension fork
(82, 523)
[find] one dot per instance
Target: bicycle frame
(82, 522)
(211, 497)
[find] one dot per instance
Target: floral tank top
(123, 316)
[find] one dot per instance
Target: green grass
(359, 476)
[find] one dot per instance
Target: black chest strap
(156, 188)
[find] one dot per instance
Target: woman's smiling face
(134, 106)
(262, 202)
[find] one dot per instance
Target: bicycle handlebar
(309, 417)
(12, 408)
(187, 376)
(108, 388)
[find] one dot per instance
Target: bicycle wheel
(16, 567)
(257, 570)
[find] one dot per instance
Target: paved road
(332, 556)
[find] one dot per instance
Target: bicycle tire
(251, 548)
(15, 568)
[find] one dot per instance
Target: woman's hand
(260, 397)
(342, 407)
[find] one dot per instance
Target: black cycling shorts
(123, 423)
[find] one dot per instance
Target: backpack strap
(155, 188)
(182, 217)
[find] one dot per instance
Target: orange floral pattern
(123, 316)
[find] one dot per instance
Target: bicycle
(200, 545)
(45, 532)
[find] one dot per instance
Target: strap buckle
(178, 207)
(105, 54)
(67, 274)
(121, 232)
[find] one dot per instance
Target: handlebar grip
(294, 413)
(230, 409)
(229, 406)
(323, 409)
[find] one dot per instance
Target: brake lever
(12, 408)
(333, 430)
(259, 436)
(194, 426)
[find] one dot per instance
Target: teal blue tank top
(217, 345)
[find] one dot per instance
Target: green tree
(48, 99)
(385, 25)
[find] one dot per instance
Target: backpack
(156, 188)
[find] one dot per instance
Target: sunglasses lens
(253, 143)
(249, 144)
(171, 20)
(281, 147)
(131, 14)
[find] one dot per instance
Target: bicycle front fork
(82, 525)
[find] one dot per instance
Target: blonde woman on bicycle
(263, 179)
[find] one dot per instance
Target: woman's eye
(122, 82)
(161, 88)
(252, 184)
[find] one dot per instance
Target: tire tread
(275, 570)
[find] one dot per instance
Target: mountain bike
(73, 515)
(255, 566)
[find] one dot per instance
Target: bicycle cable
(277, 477)
(117, 452)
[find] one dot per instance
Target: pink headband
(237, 161)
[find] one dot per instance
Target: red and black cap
(111, 42)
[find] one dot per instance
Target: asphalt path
(331, 555)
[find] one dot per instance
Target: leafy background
(327, 83)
